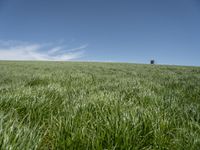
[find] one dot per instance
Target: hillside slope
(74, 105)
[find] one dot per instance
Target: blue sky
(101, 30)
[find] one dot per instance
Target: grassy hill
(74, 105)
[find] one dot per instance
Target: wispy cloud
(18, 50)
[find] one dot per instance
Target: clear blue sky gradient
(115, 30)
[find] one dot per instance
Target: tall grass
(57, 105)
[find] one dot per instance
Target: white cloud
(79, 48)
(15, 50)
(54, 50)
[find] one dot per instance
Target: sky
(134, 31)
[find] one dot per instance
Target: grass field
(74, 105)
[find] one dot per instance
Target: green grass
(74, 105)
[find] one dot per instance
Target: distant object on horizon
(152, 62)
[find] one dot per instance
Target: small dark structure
(152, 62)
